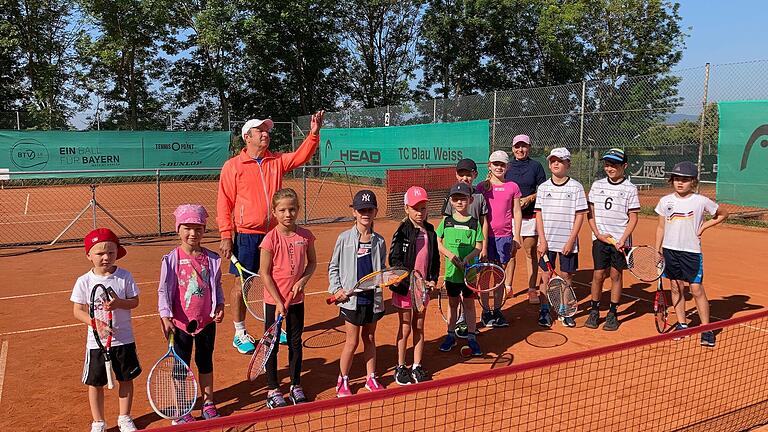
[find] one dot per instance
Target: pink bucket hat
(190, 214)
(415, 195)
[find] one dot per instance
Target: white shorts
(528, 228)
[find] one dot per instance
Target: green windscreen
(67, 151)
(742, 165)
(436, 143)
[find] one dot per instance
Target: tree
(381, 37)
(41, 35)
(10, 63)
(209, 67)
(452, 45)
(121, 61)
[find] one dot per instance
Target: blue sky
(723, 31)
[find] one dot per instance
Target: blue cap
(615, 155)
(461, 189)
(685, 169)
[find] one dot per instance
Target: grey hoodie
(342, 270)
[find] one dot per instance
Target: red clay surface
(41, 380)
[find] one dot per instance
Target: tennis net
(654, 383)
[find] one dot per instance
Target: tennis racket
(419, 292)
(660, 309)
(487, 280)
(171, 386)
(381, 278)
(101, 325)
(645, 262)
(252, 289)
(560, 293)
(265, 345)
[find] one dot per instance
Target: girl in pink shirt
(191, 300)
(504, 215)
(287, 261)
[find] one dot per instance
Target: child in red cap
(102, 248)
(190, 300)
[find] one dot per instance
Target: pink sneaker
(372, 385)
(533, 297)
(342, 387)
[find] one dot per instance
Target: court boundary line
(3, 358)
(63, 326)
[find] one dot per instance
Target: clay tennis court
(43, 346)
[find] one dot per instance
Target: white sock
(414, 366)
(240, 328)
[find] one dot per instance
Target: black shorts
(605, 255)
(454, 289)
(684, 266)
(125, 364)
(568, 263)
(361, 316)
(203, 343)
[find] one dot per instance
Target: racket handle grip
(110, 381)
(330, 300)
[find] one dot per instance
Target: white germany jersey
(558, 205)
(612, 204)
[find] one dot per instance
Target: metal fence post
(18, 121)
(581, 129)
(703, 116)
(434, 110)
(493, 125)
(159, 209)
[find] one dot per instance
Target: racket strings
(253, 294)
(384, 278)
(101, 318)
(645, 263)
(561, 297)
(173, 388)
(418, 292)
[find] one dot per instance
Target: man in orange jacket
(246, 186)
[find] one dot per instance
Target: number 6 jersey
(612, 203)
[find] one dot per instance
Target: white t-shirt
(612, 204)
(558, 205)
(124, 286)
(683, 218)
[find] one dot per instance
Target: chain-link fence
(55, 206)
(659, 120)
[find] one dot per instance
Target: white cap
(499, 156)
(252, 123)
(560, 153)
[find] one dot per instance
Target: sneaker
(487, 318)
(209, 411)
(611, 322)
(283, 338)
(448, 343)
(372, 385)
(125, 423)
(462, 330)
(533, 297)
(418, 374)
(499, 320)
(244, 343)
(567, 321)
(297, 395)
(474, 347)
(275, 399)
(402, 375)
(188, 418)
(679, 327)
(99, 426)
(707, 339)
(593, 320)
(545, 320)
(342, 387)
